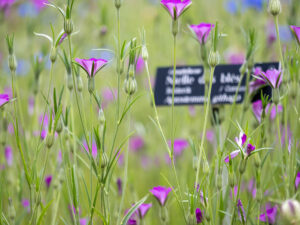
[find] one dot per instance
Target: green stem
(118, 64)
(173, 93)
(278, 42)
(236, 199)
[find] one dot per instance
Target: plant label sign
(190, 85)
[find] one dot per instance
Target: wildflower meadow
(149, 112)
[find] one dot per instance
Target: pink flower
(91, 66)
(140, 65)
(202, 31)
(143, 209)
(48, 180)
(257, 109)
(8, 155)
(26, 204)
(94, 148)
(39, 4)
(179, 146)
(4, 98)
(297, 180)
(108, 96)
(176, 6)
(161, 194)
(272, 77)
(136, 143)
(199, 216)
(269, 216)
(296, 31)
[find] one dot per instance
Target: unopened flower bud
(104, 160)
(213, 59)
(70, 82)
(145, 54)
(290, 212)
(79, 83)
(175, 27)
(195, 163)
(49, 140)
(231, 181)
(91, 84)
(118, 4)
(12, 63)
(101, 117)
(68, 26)
(242, 166)
(276, 96)
(53, 54)
(131, 71)
(130, 86)
(275, 7)
(59, 127)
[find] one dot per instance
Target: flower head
(297, 180)
(296, 31)
(176, 7)
(4, 98)
(91, 66)
(199, 216)
(48, 180)
(269, 216)
(8, 155)
(202, 31)
(272, 77)
(143, 209)
(161, 194)
(136, 143)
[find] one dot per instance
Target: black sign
(190, 87)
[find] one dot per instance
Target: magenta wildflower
(199, 216)
(140, 65)
(133, 218)
(143, 209)
(250, 148)
(48, 180)
(257, 109)
(94, 148)
(269, 216)
(176, 7)
(83, 221)
(241, 211)
(91, 66)
(39, 4)
(8, 155)
(296, 31)
(179, 146)
(136, 143)
(161, 194)
(297, 180)
(202, 31)
(63, 37)
(210, 136)
(4, 98)
(26, 204)
(108, 96)
(272, 77)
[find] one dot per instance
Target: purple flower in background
(108, 96)
(140, 65)
(241, 211)
(257, 109)
(83, 221)
(8, 155)
(136, 143)
(176, 6)
(26, 204)
(94, 148)
(143, 209)
(199, 216)
(252, 188)
(202, 31)
(91, 66)
(210, 135)
(235, 58)
(250, 148)
(161, 194)
(296, 32)
(31, 106)
(179, 146)
(63, 37)
(119, 185)
(269, 216)
(4, 98)
(59, 157)
(272, 77)
(133, 218)
(48, 180)
(297, 180)
(232, 155)
(286, 133)
(275, 110)
(39, 4)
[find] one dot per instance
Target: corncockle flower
(234, 58)
(199, 216)
(136, 143)
(210, 136)
(39, 4)
(176, 7)
(91, 66)
(297, 180)
(143, 209)
(48, 180)
(4, 98)
(108, 96)
(8, 155)
(119, 185)
(202, 31)
(26, 204)
(241, 211)
(62, 38)
(269, 216)
(94, 148)
(257, 108)
(161, 194)
(273, 77)
(296, 31)
(246, 150)
(83, 221)
(275, 110)
(133, 218)
(179, 146)
(140, 65)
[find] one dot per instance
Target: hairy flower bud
(130, 86)
(175, 27)
(53, 54)
(91, 84)
(79, 83)
(118, 4)
(275, 7)
(12, 62)
(145, 54)
(290, 212)
(213, 59)
(68, 26)
(49, 140)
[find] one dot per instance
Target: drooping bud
(275, 7)
(68, 26)
(290, 212)
(213, 59)
(91, 84)
(130, 86)
(12, 63)
(53, 54)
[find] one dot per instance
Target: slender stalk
(91, 150)
(236, 199)
(118, 63)
(278, 42)
(212, 69)
(173, 93)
